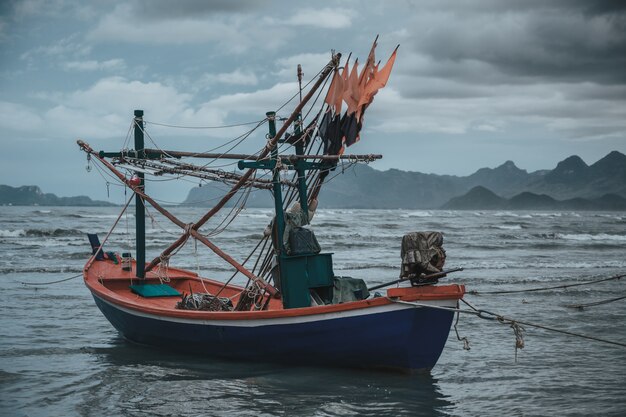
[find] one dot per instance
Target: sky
(475, 83)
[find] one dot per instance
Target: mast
(140, 210)
(302, 188)
(277, 189)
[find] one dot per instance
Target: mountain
(573, 178)
(480, 198)
(365, 187)
(31, 195)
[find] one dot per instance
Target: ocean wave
(40, 233)
(418, 213)
(12, 233)
(41, 269)
(505, 214)
(332, 224)
(256, 215)
(611, 216)
(350, 245)
(387, 226)
(94, 216)
(555, 214)
(584, 237)
(508, 227)
(361, 266)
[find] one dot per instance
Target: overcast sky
(475, 83)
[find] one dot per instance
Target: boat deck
(109, 281)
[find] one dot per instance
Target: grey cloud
(165, 9)
(564, 41)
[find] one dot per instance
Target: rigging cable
(487, 315)
(204, 127)
(613, 278)
(93, 256)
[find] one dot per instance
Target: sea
(59, 356)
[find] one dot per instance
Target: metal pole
(140, 210)
(302, 189)
(278, 194)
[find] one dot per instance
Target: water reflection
(134, 379)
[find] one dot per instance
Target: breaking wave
(585, 237)
(40, 233)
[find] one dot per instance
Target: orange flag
(330, 94)
(378, 81)
(338, 93)
(351, 92)
(369, 64)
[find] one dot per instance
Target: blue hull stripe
(410, 338)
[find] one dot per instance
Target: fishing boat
(294, 309)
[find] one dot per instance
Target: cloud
(237, 77)
(162, 9)
(17, 117)
(233, 33)
(311, 63)
(70, 46)
(547, 106)
(559, 43)
(102, 110)
(93, 65)
(327, 18)
(254, 103)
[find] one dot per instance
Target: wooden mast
(140, 209)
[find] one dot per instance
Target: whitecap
(505, 214)
(509, 227)
(417, 214)
(586, 237)
(12, 233)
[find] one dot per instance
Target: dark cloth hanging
(323, 129)
(332, 135)
(350, 128)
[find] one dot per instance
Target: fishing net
(205, 302)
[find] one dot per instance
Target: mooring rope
(556, 287)
(52, 282)
(487, 315)
(595, 303)
(93, 256)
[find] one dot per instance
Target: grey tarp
(348, 289)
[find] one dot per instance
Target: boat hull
(392, 336)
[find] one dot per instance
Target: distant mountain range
(480, 198)
(572, 184)
(31, 195)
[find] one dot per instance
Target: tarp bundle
(204, 302)
(422, 253)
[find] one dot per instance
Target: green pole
(278, 197)
(302, 191)
(140, 218)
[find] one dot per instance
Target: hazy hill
(365, 187)
(31, 195)
(480, 198)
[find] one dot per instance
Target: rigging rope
(52, 282)
(487, 315)
(595, 303)
(204, 127)
(578, 284)
(93, 256)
